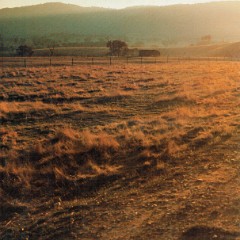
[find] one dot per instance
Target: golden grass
(73, 123)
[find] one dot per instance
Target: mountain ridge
(44, 9)
(130, 7)
(169, 25)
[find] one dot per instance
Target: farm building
(149, 53)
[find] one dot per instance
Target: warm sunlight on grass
(87, 124)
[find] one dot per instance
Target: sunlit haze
(100, 3)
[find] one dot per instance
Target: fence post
(2, 66)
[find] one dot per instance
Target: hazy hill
(45, 10)
(167, 25)
(230, 50)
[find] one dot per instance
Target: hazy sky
(100, 3)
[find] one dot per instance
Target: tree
(207, 39)
(117, 48)
(51, 47)
(51, 50)
(24, 51)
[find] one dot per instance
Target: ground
(125, 151)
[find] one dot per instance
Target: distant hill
(46, 9)
(166, 26)
(229, 50)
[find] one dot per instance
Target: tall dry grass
(109, 121)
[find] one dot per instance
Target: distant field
(220, 50)
(121, 151)
(74, 51)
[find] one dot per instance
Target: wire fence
(27, 62)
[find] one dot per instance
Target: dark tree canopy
(117, 47)
(24, 51)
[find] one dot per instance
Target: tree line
(116, 48)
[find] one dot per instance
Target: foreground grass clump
(67, 156)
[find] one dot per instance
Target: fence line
(76, 61)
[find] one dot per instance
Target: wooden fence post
(2, 66)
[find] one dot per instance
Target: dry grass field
(120, 152)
